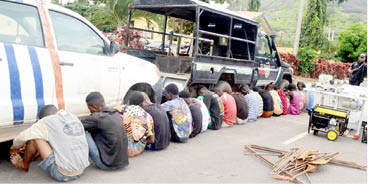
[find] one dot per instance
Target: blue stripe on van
(19, 1)
(15, 88)
(37, 75)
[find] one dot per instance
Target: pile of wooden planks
(296, 162)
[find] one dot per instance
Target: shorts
(94, 153)
(48, 165)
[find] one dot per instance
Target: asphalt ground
(217, 157)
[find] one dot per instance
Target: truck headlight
(157, 72)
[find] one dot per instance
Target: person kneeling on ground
(106, 136)
(308, 94)
(241, 106)
(160, 121)
(214, 105)
(206, 119)
(277, 103)
(223, 89)
(267, 102)
(59, 138)
(138, 125)
(252, 101)
(284, 100)
(297, 100)
(179, 114)
(195, 109)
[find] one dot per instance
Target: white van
(51, 55)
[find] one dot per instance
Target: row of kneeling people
(110, 135)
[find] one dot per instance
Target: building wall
(142, 23)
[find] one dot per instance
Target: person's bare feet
(17, 161)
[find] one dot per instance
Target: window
(263, 47)
(75, 36)
(20, 24)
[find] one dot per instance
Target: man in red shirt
(229, 104)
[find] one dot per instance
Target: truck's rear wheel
(142, 87)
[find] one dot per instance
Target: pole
(196, 48)
(126, 41)
(299, 27)
(179, 38)
(231, 35)
(164, 35)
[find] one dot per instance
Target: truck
(224, 46)
(52, 55)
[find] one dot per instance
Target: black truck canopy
(185, 9)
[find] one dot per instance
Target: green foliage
(254, 5)
(108, 15)
(328, 51)
(312, 33)
(352, 42)
(306, 56)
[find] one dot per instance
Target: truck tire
(224, 86)
(283, 84)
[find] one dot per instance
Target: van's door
(26, 72)
(267, 65)
(84, 63)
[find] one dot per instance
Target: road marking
(295, 138)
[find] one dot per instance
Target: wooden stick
(308, 177)
(263, 154)
(348, 164)
(333, 161)
(296, 180)
(301, 173)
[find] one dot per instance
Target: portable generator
(332, 121)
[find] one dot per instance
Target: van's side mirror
(114, 48)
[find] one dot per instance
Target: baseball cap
(362, 55)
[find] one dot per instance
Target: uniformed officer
(358, 71)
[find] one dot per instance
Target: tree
(306, 56)
(254, 5)
(314, 19)
(352, 42)
(312, 33)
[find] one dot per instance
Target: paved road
(217, 157)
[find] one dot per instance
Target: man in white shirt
(59, 139)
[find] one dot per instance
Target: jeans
(48, 165)
(354, 83)
(94, 154)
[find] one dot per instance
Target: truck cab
(51, 55)
(268, 62)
